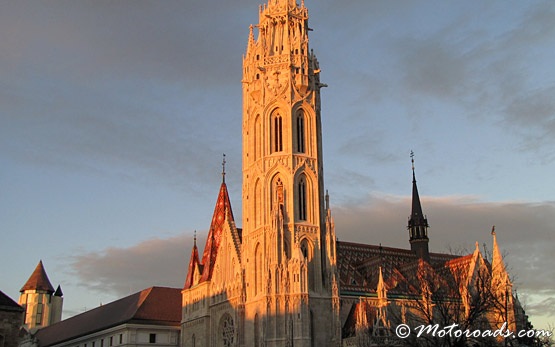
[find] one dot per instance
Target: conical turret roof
(38, 280)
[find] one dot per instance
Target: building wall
(10, 323)
(125, 335)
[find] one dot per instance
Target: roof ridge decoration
(38, 280)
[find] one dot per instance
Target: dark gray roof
(7, 304)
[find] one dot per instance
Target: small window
(152, 338)
(102, 343)
(111, 340)
(120, 339)
(39, 313)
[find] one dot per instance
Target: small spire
(412, 161)
(195, 239)
(327, 200)
(493, 230)
(223, 168)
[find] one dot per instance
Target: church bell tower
(286, 219)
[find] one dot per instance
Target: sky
(114, 116)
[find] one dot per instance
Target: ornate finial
(195, 239)
(223, 168)
(493, 230)
(327, 198)
(412, 159)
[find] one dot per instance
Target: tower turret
(42, 304)
(418, 223)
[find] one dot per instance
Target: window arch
(227, 330)
(307, 251)
(256, 330)
(257, 203)
(257, 137)
(301, 198)
(300, 122)
(277, 132)
(257, 269)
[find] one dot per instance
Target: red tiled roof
(155, 305)
(193, 265)
(38, 280)
(221, 212)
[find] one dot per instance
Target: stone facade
(11, 318)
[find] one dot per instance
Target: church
(282, 278)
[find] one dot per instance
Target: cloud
(120, 271)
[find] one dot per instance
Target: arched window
(257, 203)
(256, 330)
(257, 137)
(300, 132)
(306, 250)
(193, 341)
(277, 132)
(257, 269)
(227, 331)
(301, 198)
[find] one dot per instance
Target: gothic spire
(418, 223)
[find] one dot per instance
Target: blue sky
(114, 116)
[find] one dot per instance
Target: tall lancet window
(301, 194)
(257, 135)
(300, 132)
(277, 133)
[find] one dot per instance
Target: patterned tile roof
(155, 305)
(359, 264)
(38, 280)
(222, 212)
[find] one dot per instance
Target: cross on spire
(223, 168)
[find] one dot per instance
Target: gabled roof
(155, 305)
(7, 304)
(38, 281)
(222, 213)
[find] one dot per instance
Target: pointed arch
(258, 269)
(256, 330)
(300, 122)
(307, 251)
(301, 198)
(258, 143)
(276, 135)
(258, 201)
